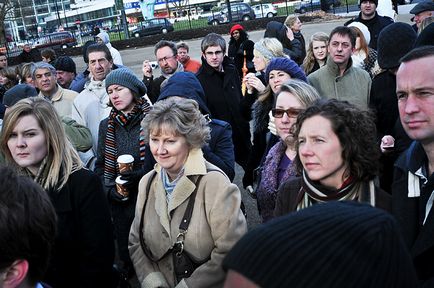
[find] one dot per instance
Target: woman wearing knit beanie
(121, 134)
(337, 156)
(278, 71)
(239, 44)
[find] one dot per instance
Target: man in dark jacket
(413, 185)
(222, 86)
(375, 23)
(166, 54)
(291, 46)
(29, 55)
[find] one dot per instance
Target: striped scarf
(311, 193)
(110, 153)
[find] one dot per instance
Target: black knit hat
(375, 2)
(125, 77)
(335, 244)
(394, 41)
(17, 93)
(65, 63)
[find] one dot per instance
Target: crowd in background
(109, 176)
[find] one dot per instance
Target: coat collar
(194, 166)
(56, 96)
(334, 68)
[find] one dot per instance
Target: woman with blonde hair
(293, 22)
(34, 142)
(316, 55)
(293, 98)
(187, 209)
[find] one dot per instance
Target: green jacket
(354, 86)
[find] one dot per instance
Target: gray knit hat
(328, 245)
(126, 78)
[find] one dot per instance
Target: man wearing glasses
(166, 54)
(221, 83)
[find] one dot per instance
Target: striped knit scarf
(311, 193)
(117, 117)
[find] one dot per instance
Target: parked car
(152, 26)
(56, 40)
(239, 11)
(312, 5)
(265, 10)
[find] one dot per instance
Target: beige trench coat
(217, 223)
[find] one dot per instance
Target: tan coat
(216, 225)
(62, 101)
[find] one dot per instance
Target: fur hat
(126, 78)
(394, 41)
(332, 244)
(287, 65)
(65, 63)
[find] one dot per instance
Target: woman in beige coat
(176, 131)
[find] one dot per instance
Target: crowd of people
(107, 176)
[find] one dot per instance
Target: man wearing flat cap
(368, 15)
(421, 11)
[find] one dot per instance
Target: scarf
(180, 68)
(118, 118)
(169, 186)
(267, 190)
(311, 193)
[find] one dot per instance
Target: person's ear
(15, 274)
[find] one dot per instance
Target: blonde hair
(309, 60)
(269, 48)
(61, 159)
(425, 23)
(290, 20)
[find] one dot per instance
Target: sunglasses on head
(291, 112)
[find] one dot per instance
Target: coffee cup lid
(120, 181)
(125, 158)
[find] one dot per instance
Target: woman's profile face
(289, 103)
(27, 143)
(320, 152)
(121, 98)
(259, 61)
(276, 78)
(319, 50)
(169, 150)
(296, 27)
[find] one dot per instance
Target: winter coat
(375, 25)
(288, 196)
(84, 247)
(62, 101)
(224, 100)
(33, 56)
(216, 225)
(236, 53)
(411, 190)
(117, 59)
(300, 37)
(292, 48)
(267, 189)
(354, 86)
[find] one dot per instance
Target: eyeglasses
(216, 53)
(291, 112)
(164, 59)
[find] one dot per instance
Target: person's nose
(411, 105)
(286, 118)
(161, 148)
(305, 149)
(21, 142)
